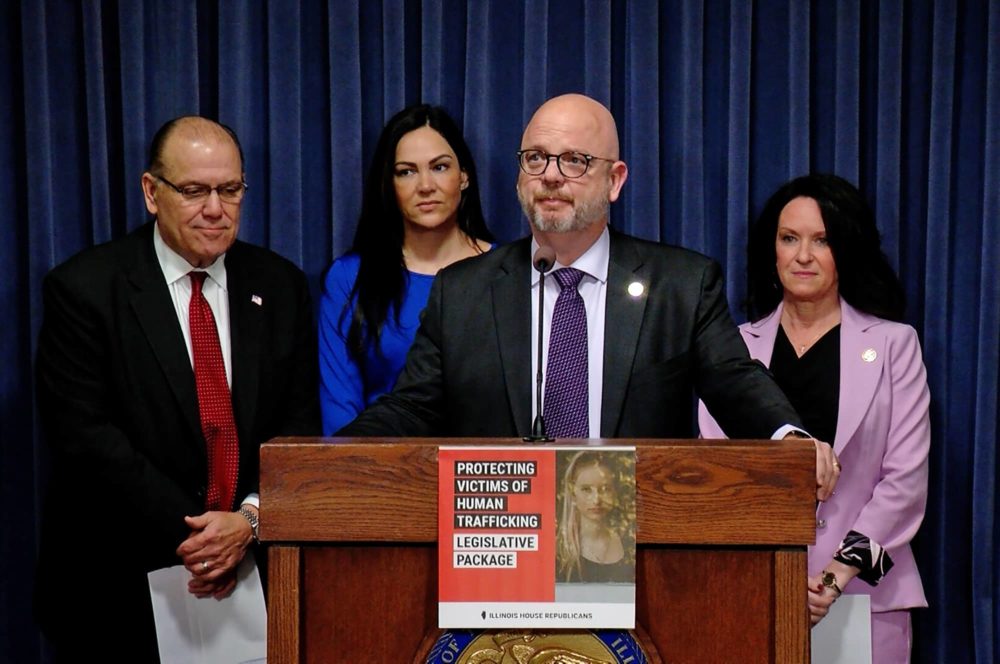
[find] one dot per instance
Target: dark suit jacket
(469, 370)
(117, 399)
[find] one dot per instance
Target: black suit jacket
(469, 370)
(117, 399)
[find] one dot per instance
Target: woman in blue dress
(420, 212)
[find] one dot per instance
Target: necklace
(801, 347)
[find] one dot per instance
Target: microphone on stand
(543, 261)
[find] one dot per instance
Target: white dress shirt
(175, 271)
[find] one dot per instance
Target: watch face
(829, 579)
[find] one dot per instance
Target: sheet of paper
(209, 631)
(845, 635)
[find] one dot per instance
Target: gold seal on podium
(539, 647)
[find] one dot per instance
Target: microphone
(543, 261)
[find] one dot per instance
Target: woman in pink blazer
(825, 304)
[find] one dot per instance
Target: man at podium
(631, 329)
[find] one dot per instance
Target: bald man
(657, 324)
(153, 465)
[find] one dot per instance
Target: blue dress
(345, 390)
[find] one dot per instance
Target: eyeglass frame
(206, 196)
(550, 157)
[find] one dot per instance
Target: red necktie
(215, 406)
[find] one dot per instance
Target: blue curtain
(717, 104)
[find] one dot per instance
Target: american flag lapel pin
(256, 299)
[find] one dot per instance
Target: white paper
(844, 636)
(209, 631)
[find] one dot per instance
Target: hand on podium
(827, 466)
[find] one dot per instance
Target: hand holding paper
(216, 545)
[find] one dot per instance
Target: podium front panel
(722, 534)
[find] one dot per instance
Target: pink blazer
(882, 441)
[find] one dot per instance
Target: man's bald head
(569, 212)
(580, 114)
(190, 128)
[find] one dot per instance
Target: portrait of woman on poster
(826, 307)
(596, 529)
(420, 212)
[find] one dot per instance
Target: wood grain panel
(689, 492)
(706, 606)
(368, 603)
(791, 610)
(284, 607)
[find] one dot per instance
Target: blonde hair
(568, 549)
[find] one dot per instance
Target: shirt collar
(593, 262)
(174, 267)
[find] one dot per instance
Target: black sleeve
(738, 391)
(91, 453)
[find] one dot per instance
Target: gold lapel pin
(869, 355)
(635, 289)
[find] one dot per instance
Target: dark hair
(378, 240)
(155, 163)
(865, 278)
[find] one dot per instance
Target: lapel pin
(256, 299)
(635, 289)
(869, 355)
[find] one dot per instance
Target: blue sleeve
(342, 390)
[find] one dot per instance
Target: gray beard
(585, 215)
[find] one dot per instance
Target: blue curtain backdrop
(717, 104)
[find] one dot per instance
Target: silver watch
(252, 519)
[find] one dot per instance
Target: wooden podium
(722, 534)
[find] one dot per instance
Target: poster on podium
(536, 537)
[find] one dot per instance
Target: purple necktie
(567, 406)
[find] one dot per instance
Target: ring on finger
(204, 566)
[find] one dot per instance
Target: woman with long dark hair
(826, 308)
(420, 212)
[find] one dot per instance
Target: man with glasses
(632, 329)
(165, 359)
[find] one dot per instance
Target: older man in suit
(648, 324)
(165, 359)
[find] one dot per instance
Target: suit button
(821, 523)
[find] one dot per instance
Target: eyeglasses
(570, 164)
(230, 192)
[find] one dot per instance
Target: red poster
(496, 516)
(499, 561)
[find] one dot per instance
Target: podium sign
(532, 537)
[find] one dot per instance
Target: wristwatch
(252, 519)
(830, 581)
